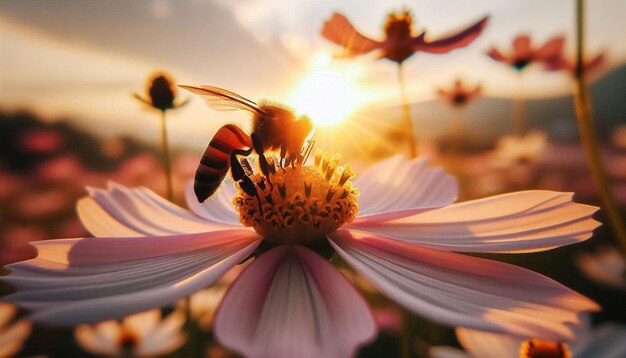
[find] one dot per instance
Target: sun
(325, 96)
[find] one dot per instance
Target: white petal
(292, 303)
(461, 290)
(398, 187)
(448, 352)
(166, 337)
(13, 336)
(90, 280)
(525, 221)
(482, 344)
(142, 323)
(121, 211)
(218, 208)
(606, 341)
(90, 339)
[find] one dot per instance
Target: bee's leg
(235, 165)
(247, 185)
(283, 156)
(258, 147)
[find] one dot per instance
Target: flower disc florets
(299, 204)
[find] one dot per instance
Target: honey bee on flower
(395, 224)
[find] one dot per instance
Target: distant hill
(489, 118)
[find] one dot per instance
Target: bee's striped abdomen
(215, 161)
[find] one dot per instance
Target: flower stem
(406, 110)
(166, 157)
(520, 121)
(582, 103)
(405, 351)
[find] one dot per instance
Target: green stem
(407, 335)
(582, 102)
(166, 157)
(406, 110)
(519, 109)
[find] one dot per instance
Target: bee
(275, 127)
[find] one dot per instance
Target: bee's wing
(223, 100)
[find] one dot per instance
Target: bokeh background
(68, 69)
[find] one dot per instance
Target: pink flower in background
(458, 95)
(66, 168)
(524, 53)
(605, 266)
(605, 341)
(12, 333)
(290, 301)
(145, 334)
(560, 63)
(14, 242)
(40, 204)
(400, 43)
(41, 140)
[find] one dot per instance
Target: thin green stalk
(166, 157)
(406, 110)
(588, 136)
(407, 334)
(519, 109)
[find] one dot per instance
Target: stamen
(329, 173)
(330, 194)
(318, 158)
(347, 174)
(284, 213)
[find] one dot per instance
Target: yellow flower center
(536, 348)
(299, 204)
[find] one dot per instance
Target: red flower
(399, 43)
(459, 95)
(523, 53)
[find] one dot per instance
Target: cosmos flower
(458, 95)
(161, 92)
(143, 334)
(605, 341)
(12, 334)
(605, 266)
(561, 63)
(515, 150)
(400, 42)
(290, 301)
(524, 53)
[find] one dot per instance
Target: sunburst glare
(326, 97)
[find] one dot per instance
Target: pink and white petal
(525, 221)
(218, 208)
(550, 49)
(410, 186)
(482, 344)
(166, 337)
(290, 302)
(91, 339)
(12, 337)
(121, 211)
(94, 279)
(521, 46)
(446, 352)
(496, 55)
(142, 323)
(460, 290)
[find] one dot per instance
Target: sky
(82, 59)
